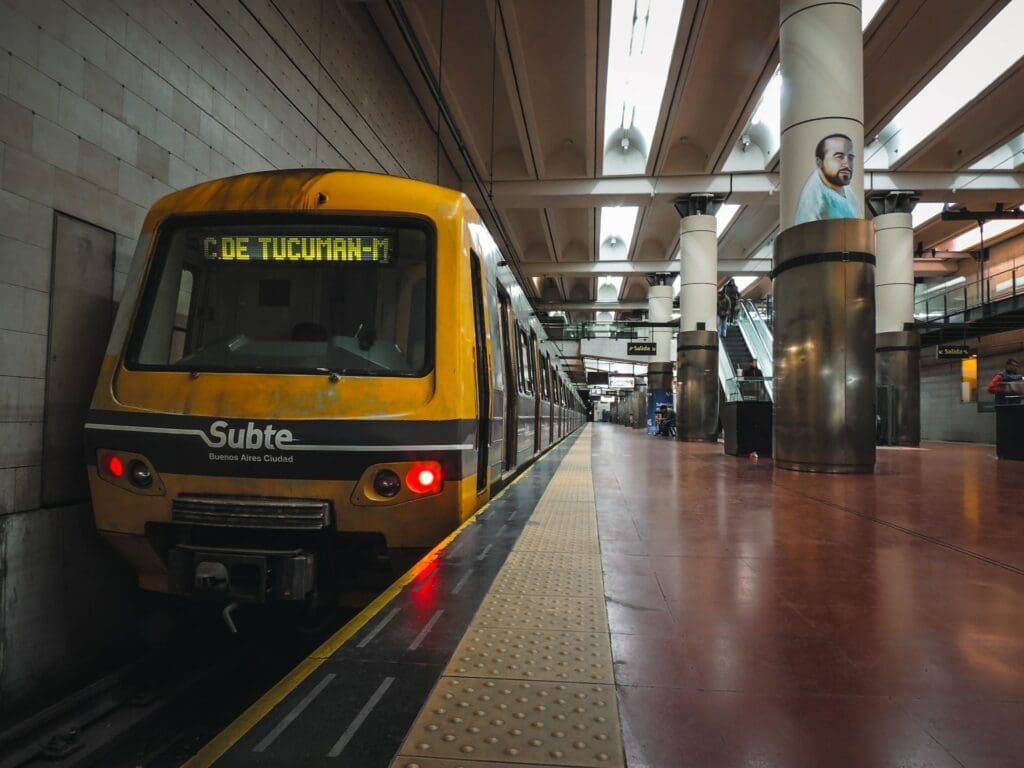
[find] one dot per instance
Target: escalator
(753, 340)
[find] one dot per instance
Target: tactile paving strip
(550, 581)
(532, 682)
(534, 655)
(581, 614)
(552, 724)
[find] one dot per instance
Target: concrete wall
(943, 416)
(106, 105)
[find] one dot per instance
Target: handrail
(727, 375)
(1005, 283)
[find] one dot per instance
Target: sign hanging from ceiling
(952, 352)
(641, 348)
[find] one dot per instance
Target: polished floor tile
(769, 618)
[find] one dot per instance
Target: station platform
(636, 601)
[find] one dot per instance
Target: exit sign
(953, 352)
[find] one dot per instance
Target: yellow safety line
(230, 736)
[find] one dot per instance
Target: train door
(483, 376)
(538, 422)
(508, 345)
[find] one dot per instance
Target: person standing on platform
(827, 193)
(752, 389)
(1000, 384)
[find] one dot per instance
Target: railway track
(158, 710)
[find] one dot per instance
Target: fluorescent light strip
(1007, 157)
(616, 223)
(726, 213)
(972, 237)
(868, 10)
(641, 39)
(925, 212)
(992, 51)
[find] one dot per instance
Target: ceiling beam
(580, 268)
(744, 188)
(589, 306)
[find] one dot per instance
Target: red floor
(769, 618)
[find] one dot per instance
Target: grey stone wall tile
(20, 35)
(5, 71)
(23, 442)
(184, 112)
(49, 14)
(7, 482)
(141, 43)
(102, 89)
(23, 355)
(61, 63)
(15, 124)
(27, 488)
(31, 88)
(26, 176)
(153, 159)
(169, 135)
(109, 18)
(139, 114)
(54, 144)
(25, 220)
(25, 264)
(121, 140)
(197, 152)
(21, 399)
(79, 197)
(97, 165)
(124, 66)
(81, 117)
(82, 35)
(172, 69)
(180, 174)
(199, 91)
(157, 91)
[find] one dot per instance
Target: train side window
(545, 386)
(525, 364)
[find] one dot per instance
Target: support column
(659, 370)
(824, 256)
(697, 344)
(897, 350)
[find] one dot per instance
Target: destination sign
(641, 348)
(953, 352)
(297, 248)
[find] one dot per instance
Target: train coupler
(241, 575)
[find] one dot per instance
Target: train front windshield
(339, 296)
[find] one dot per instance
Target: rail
(947, 301)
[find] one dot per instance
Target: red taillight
(424, 478)
(115, 467)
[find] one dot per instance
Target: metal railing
(1005, 282)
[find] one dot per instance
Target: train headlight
(424, 477)
(387, 483)
(140, 474)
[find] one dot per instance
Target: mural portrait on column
(827, 193)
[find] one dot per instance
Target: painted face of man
(837, 165)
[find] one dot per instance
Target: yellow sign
(298, 248)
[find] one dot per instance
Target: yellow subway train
(308, 366)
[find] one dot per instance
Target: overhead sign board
(953, 352)
(641, 348)
(621, 382)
